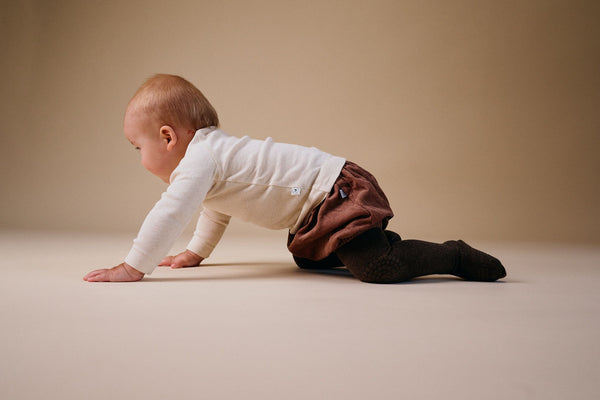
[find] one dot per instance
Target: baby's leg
(379, 256)
(329, 262)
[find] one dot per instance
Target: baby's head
(172, 100)
(161, 119)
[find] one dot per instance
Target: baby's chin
(165, 179)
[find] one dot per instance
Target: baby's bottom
(378, 256)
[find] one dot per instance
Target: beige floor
(252, 326)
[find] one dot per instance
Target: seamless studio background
(479, 118)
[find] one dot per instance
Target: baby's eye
(137, 148)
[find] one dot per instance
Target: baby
(335, 211)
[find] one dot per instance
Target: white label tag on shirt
(296, 191)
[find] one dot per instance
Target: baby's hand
(184, 259)
(121, 273)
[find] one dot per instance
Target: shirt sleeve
(209, 230)
(171, 214)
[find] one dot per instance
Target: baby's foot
(475, 265)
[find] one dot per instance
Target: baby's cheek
(146, 163)
(154, 168)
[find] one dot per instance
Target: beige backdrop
(480, 118)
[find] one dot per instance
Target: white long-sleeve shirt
(274, 185)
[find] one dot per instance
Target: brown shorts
(355, 204)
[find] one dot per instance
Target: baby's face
(154, 149)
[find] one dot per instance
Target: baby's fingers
(178, 262)
(185, 259)
(166, 262)
(99, 275)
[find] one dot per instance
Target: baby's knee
(330, 262)
(381, 271)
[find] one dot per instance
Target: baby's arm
(184, 259)
(209, 230)
(121, 273)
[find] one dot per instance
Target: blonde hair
(172, 100)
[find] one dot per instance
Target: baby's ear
(168, 134)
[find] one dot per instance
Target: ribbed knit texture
(382, 257)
